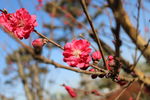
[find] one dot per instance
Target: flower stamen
(77, 53)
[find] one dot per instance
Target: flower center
(21, 23)
(76, 53)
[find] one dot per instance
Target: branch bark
(24, 80)
(122, 17)
(36, 80)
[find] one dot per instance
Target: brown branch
(139, 94)
(36, 81)
(125, 88)
(141, 54)
(47, 61)
(137, 29)
(116, 33)
(94, 32)
(122, 17)
(70, 15)
(23, 78)
(98, 68)
(141, 76)
(49, 40)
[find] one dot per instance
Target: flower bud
(39, 43)
(70, 90)
(96, 55)
(94, 75)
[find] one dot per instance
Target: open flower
(20, 23)
(76, 53)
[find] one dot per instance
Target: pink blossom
(71, 91)
(76, 53)
(20, 23)
(110, 57)
(110, 61)
(96, 55)
(38, 43)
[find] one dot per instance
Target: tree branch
(122, 17)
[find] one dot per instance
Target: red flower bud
(110, 62)
(96, 55)
(94, 75)
(39, 43)
(70, 90)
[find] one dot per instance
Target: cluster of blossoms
(78, 54)
(20, 23)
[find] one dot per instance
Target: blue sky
(61, 75)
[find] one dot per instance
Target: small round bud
(96, 55)
(101, 76)
(39, 43)
(94, 75)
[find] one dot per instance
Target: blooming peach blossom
(76, 53)
(20, 23)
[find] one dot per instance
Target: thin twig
(139, 94)
(98, 68)
(47, 61)
(92, 27)
(140, 55)
(137, 29)
(51, 41)
(124, 89)
(36, 81)
(68, 13)
(116, 34)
